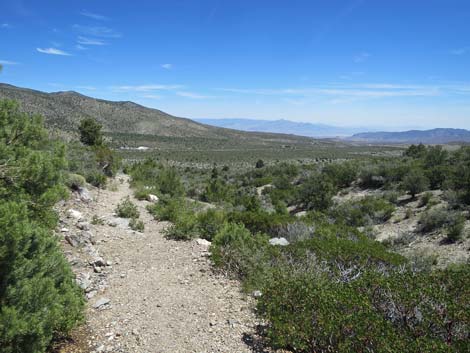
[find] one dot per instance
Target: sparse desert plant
(95, 220)
(455, 228)
(433, 219)
(425, 199)
(137, 224)
(126, 209)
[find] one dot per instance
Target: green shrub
(39, 299)
(97, 179)
(455, 229)
(415, 182)
(240, 253)
(365, 212)
(433, 219)
(184, 227)
(126, 209)
(136, 224)
(74, 181)
(90, 132)
(425, 199)
(316, 193)
(401, 312)
(210, 222)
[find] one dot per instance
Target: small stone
(203, 242)
(101, 303)
(83, 225)
(257, 294)
(71, 213)
(64, 230)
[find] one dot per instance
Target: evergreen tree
(38, 295)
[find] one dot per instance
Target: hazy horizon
(392, 64)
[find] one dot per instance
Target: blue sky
(390, 63)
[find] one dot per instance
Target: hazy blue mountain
(284, 126)
(434, 136)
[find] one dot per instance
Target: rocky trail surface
(147, 294)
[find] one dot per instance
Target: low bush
(455, 229)
(75, 181)
(210, 222)
(240, 253)
(433, 219)
(126, 209)
(136, 224)
(365, 212)
(400, 312)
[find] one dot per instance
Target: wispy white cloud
(97, 31)
(460, 51)
(346, 93)
(147, 88)
(53, 51)
(94, 16)
(90, 41)
(80, 47)
(5, 25)
(192, 95)
(8, 62)
(361, 57)
(167, 66)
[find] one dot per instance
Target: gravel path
(156, 295)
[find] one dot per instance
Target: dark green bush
(400, 312)
(39, 299)
(316, 193)
(90, 132)
(210, 222)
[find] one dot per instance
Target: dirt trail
(163, 296)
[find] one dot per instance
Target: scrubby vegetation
(332, 286)
(39, 299)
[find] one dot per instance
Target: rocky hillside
(64, 110)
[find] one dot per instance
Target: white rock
(278, 241)
(152, 198)
(203, 242)
(257, 294)
(71, 213)
(84, 194)
(101, 302)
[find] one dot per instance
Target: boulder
(279, 241)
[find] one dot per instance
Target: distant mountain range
(353, 134)
(284, 126)
(434, 136)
